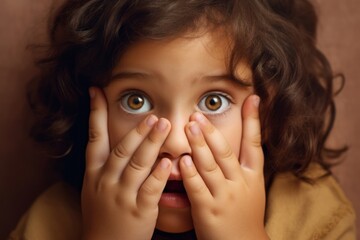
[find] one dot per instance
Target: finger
(151, 190)
(98, 148)
(204, 160)
(221, 150)
(196, 188)
(124, 150)
(251, 153)
(141, 163)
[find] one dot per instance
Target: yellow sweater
(295, 210)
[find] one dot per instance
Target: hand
(121, 192)
(227, 194)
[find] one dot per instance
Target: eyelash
(221, 94)
(124, 98)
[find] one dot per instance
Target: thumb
(98, 147)
(251, 154)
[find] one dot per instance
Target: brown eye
(214, 103)
(135, 103)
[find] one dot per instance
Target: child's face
(173, 79)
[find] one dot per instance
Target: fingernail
(194, 128)
(200, 118)
(256, 100)
(164, 164)
(188, 161)
(162, 124)
(92, 92)
(151, 120)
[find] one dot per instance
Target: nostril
(165, 155)
(170, 156)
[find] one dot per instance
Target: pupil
(135, 102)
(213, 102)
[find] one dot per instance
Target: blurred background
(24, 169)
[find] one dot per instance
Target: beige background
(23, 169)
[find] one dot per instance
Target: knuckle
(201, 189)
(215, 211)
(134, 212)
(94, 135)
(150, 189)
(201, 143)
(230, 197)
(120, 151)
(210, 129)
(212, 168)
(135, 164)
(152, 138)
(122, 200)
(103, 186)
(156, 179)
(140, 130)
(191, 175)
(227, 153)
(256, 140)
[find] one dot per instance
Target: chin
(174, 220)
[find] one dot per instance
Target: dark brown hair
(276, 37)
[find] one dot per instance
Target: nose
(176, 144)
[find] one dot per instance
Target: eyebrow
(229, 77)
(210, 78)
(129, 74)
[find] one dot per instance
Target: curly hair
(276, 37)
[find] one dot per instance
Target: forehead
(210, 41)
(198, 53)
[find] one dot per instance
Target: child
(178, 144)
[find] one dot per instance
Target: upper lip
(174, 177)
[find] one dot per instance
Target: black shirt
(160, 235)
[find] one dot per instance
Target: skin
(216, 153)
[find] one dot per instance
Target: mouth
(174, 195)
(175, 186)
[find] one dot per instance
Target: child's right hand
(121, 192)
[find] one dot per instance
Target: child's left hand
(227, 194)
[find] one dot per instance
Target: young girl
(208, 120)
